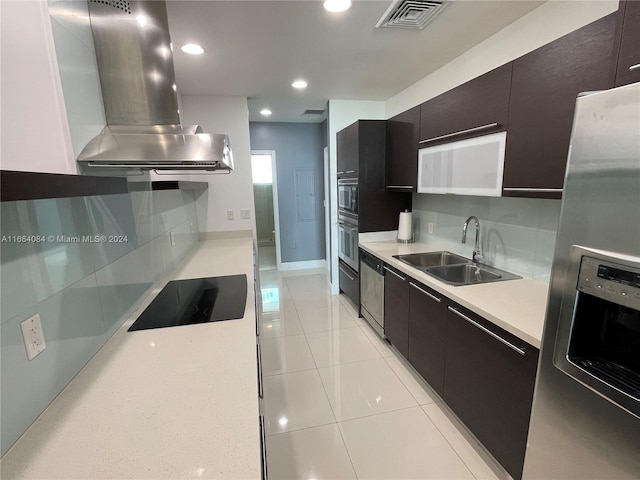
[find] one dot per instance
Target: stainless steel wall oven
(348, 196)
(348, 241)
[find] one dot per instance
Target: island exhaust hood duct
(135, 64)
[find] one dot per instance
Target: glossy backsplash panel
(517, 234)
(83, 286)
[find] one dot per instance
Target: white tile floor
(339, 402)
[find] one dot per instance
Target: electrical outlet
(172, 237)
(33, 336)
(245, 213)
(229, 214)
(430, 228)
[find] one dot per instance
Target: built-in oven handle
(263, 448)
(343, 270)
(461, 132)
(634, 67)
(394, 273)
(487, 331)
(433, 297)
(260, 385)
(347, 226)
(348, 181)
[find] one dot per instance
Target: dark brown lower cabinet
(489, 381)
(349, 283)
(427, 334)
(396, 309)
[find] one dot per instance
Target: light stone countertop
(165, 403)
(517, 306)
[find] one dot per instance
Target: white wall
(546, 23)
(35, 132)
(234, 191)
(343, 113)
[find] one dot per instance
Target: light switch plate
(430, 228)
(245, 213)
(33, 336)
(229, 214)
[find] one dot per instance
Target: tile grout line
(449, 443)
(406, 386)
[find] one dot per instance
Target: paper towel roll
(405, 226)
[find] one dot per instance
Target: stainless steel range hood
(135, 63)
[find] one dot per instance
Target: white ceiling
(257, 48)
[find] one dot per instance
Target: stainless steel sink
(469, 274)
(422, 261)
(454, 269)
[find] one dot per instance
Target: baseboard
(302, 265)
(226, 234)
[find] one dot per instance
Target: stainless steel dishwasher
(372, 291)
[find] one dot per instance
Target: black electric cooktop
(196, 300)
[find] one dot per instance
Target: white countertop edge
(517, 306)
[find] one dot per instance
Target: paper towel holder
(411, 240)
(412, 236)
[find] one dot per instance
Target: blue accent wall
(299, 148)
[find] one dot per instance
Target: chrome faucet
(477, 252)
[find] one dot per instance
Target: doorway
(265, 195)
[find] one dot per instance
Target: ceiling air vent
(123, 5)
(411, 14)
(313, 112)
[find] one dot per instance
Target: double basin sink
(454, 269)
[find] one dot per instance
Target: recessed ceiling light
(299, 84)
(192, 49)
(265, 112)
(336, 5)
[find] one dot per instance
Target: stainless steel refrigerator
(585, 420)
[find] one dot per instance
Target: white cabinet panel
(466, 167)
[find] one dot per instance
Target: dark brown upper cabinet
(403, 135)
(475, 108)
(629, 58)
(544, 88)
(347, 141)
(362, 152)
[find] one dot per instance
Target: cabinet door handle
(394, 273)
(462, 132)
(257, 318)
(260, 386)
(401, 186)
(433, 297)
(351, 171)
(634, 67)
(263, 448)
(487, 331)
(544, 190)
(346, 273)
(340, 173)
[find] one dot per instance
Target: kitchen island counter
(178, 402)
(517, 306)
